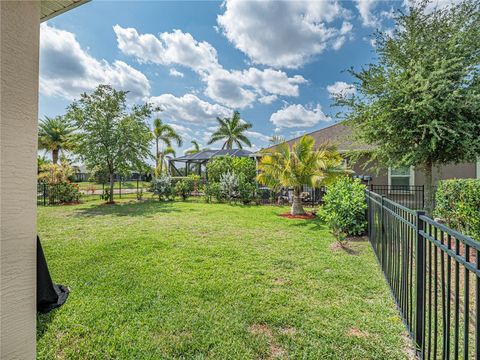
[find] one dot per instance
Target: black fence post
(420, 282)
(44, 194)
(382, 234)
(120, 187)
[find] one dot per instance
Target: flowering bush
(57, 179)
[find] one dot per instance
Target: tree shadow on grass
(130, 208)
(316, 224)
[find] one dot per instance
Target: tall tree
(113, 138)
(420, 104)
(298, 165)
(55, 135)
(232, 131)
(163, 134)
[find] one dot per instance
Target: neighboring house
(340, 134)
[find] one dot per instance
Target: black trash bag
(49, 295)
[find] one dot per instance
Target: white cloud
(268, 99)
(189, 108)
(67, 70)
(176, 73)
(256, 135)
(176, 47)
(240, 89)
(340, 88)
(297, 115)
(365, 8)
(232, 88)
(227, 89)
(282, 33)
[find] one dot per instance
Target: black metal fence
(53, 194)
(433, 273)
(309, 196)
(411, 196)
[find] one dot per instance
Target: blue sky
(276, 62)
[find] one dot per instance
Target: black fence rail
(433, 273)
(411, 196)
(309, 196)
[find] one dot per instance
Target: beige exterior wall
(380, 174)
(459, 171)
(19, 39)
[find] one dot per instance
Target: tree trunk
(156, 154)
(297, 207)
(112, 183)
(428, 189)
(55, 156)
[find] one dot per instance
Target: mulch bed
(307, 216)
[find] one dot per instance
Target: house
(19, 81)
(341, 134)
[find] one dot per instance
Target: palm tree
(162, 160)
(299, 165)
(166, 134)
(232, 130)
(195, 150)
(55, 135)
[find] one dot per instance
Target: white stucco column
(19, 47)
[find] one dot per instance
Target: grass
(189, 280)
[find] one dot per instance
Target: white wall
(19, 39)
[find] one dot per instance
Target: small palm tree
(56, 135)
(195, 150)
(299, 165)
(232, 131)
(162, 160)
(164, 133)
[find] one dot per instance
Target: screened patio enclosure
(197, 163)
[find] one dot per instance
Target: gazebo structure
(201, 159)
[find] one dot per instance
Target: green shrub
(162, 187)
(64, 193)
(344, 208)
(184, 188)
(457, 202)
(213, 191)
(246, 191)
(221, 165)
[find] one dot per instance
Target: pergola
(202, 158)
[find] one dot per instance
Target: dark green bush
(457, 202)
(246, 190)
(64, 193)
(344, 208)
(184, 188)
(212, 191)
(222, 165)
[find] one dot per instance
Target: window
(400, 178)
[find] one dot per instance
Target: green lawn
(189, 280)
